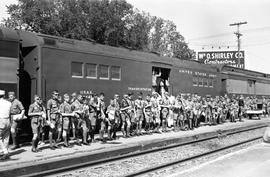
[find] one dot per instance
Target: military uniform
(55, 121)
(125, 116)
(77, 108)
(66, 108)
(148, 115)
(165, 104)
(37, 122)
(16, 109)
(139, 104)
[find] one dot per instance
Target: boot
(85, 138)
(128, 132)
(34, 149)
(74, 134)
(14, 140)
(124, 133)
(51, 142)
(58, 137)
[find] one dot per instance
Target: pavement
(250, 162)
(22, 161)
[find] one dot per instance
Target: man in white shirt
(4, 125)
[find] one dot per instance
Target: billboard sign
(222, 58)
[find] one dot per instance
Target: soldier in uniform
(111, 112)
(117, 115)
(4, 125)
(101, 110)
(37, 113)
(125, 116)
(156, 111)
(17, 113)
(77, 108)
(241, 106)
(93, 104)
(132, 114)
(54, 119)
(189, 112)
(208, 111)
(147, 109)
(165, 106)
(73, 119)
(176, 106)
(139, 103)
(85, 121)
(66, 112)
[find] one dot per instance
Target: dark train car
(71, 65)
(9, 60)
(245, 82)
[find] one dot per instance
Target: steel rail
(162, 166)
(126, 156)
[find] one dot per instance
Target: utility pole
(238, 35)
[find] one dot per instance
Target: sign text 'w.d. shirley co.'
(223, 58)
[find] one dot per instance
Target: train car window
(91, 70)
(103, 72)
(116, 72)
(195, 81)
(77, 69)
(200, 82)
(210, 83)
(205, 82)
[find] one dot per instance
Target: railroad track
(220, 134)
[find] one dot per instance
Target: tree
(111, 22)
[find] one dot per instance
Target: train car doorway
(160, 80)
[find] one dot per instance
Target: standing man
(101, 110)
(65, 110)
(117, 115)
(37, 113)
(139, 103)
(17, 113)
(5, 107)
(77, 108)
(125, 110)
(54, 116)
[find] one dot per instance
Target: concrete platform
(251, 162)
(22, 161)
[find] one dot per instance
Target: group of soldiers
(79, 117)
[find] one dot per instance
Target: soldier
(17, 113)
(92, 115)
(73, 119)
(165, 106)
(54, 119)
(85, 121)
(176, 106)
(37, 113)
(101, 110)
(117, 115)
(208, 111)
(77, 108)
(111, 112)
(66, 112)
(132, 114)
(147, 109)
(241, 106)
(189, 112)
(139, 103)
(125, 116)
(156, 111)
(4, 125)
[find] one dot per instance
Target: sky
(205, 25)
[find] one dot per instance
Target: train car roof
(9, 35)
(30, 38)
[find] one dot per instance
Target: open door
(161, 79)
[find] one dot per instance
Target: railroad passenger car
(70, 65)
(245, 82)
